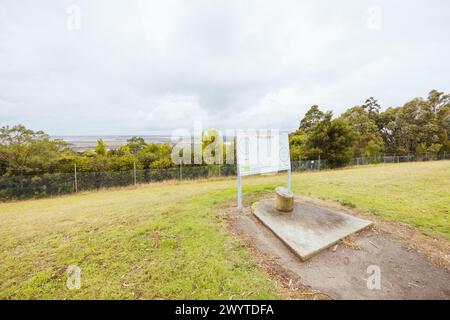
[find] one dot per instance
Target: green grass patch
(169, 241)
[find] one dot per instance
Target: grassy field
(168, 240)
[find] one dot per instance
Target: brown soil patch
(436, 249)
(287, 281)
(413, 265)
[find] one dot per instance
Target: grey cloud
(139, 66)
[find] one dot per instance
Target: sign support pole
(239, 190)
(289, 179)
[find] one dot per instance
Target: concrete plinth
(309, 228)
(284, 200)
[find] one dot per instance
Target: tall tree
(136, 144)
(438, 100)
(24, 151)
(212, 147)
(312, 117)
(371, 106)
(440, 104)
(100, 149)
(366, 130)
(332, 140)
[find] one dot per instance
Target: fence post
(75, 176)
(319, 162)
(134, 172)
(181, 170)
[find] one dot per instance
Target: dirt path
(412, 266)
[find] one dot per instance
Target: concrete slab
(309, 228)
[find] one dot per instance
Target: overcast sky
(140, 67)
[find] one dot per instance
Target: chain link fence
(400, 158)
(52, 184)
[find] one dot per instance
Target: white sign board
(262, 151)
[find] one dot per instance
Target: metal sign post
(289, 179)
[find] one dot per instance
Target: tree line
(27, 152)
(419, 126)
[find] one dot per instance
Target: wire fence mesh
(51, 184)
(400, 158)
